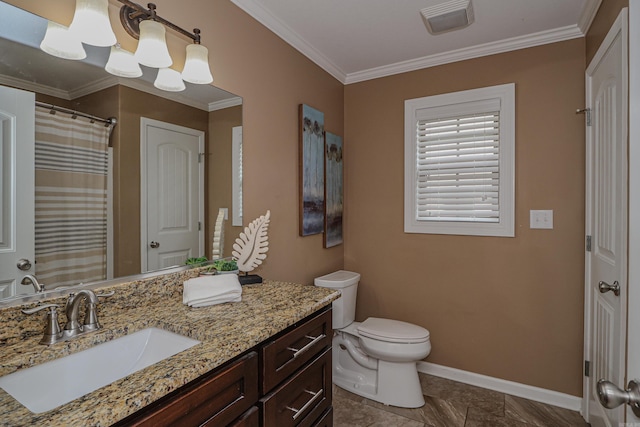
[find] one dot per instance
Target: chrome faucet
(90, 323)
(73, 328)
(28, 279)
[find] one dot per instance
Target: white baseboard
(536, 394)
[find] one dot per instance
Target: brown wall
(219, 173)
(607, 14)
(273, 79)
(509, 308)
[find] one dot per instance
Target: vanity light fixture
(122, 63)
(91, 23)
(58, 41)
(148, 27)
(170, 80)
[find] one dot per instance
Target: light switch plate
(541, 219)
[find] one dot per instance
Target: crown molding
(225, 103)
(266, 18)
(34, 87)
(515, 43)
(589, 12)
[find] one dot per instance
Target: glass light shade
(91, 23)
(152, 48)
(122, 63)
(196, 66)
(169, 80)
(58, 41)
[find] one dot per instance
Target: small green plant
(225, 265)
(193, 261)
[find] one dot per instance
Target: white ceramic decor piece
(217, 247)
(250, 249)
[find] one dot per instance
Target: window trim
(446, 102)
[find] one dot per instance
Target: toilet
(376, 358)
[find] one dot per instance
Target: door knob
(611, 396)
(154, 245)
(24, 264)
(604, 287)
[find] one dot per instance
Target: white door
(172, 205)
(17, 133)
(606, 221)
(633, 330)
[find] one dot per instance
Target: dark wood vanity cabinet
(284, 381)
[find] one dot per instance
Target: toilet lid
(392, 331)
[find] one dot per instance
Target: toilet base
(395, 384)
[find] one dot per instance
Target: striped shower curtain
(71, 161)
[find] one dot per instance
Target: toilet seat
(393, 331)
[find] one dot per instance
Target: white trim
(589, 12)
(144, 124)
(256, 10)
(236, 176)
(633, 280)
(225, 103)
(619, 28)
(33, 87)
(507, 45)
(525, 391)
(505, 94)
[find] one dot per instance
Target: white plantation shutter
(459, 162)
(458, 168)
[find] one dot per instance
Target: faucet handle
(106, 295)
(52, 332)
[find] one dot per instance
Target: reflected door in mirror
(17, 123)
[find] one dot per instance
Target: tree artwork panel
(311, 171)
(333, 190)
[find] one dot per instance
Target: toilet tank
(344, 308)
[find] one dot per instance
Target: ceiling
(357, 40)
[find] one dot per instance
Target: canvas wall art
(311, 154)
(333, 190)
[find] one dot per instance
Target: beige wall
(273, 79)
(607, 14)
(509, 308)
(219, 174)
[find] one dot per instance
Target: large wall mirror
(146, 192)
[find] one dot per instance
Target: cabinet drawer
(326, 420)
(251, 418)
(302, 399)
(216, 399)
(288, 353)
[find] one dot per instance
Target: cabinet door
(251, 418)
(288, 353)
(301, 399)
(215, 399)
(326, 420)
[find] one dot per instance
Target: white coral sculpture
(250, 249)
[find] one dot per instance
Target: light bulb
(91, 23)
(196, 66)
(152, 48)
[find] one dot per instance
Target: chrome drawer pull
(314, 340)
(298, 412)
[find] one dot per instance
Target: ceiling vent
(447, 16)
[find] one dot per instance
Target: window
(459, 163)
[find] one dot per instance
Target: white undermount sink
(49, 385)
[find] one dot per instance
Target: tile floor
(451, 404)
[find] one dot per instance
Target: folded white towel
(210, 290)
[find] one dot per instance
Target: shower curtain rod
(111, 121)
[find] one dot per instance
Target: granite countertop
(225, 330)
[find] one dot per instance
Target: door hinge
(200, 157)
(587, 368)
(199, 226)
(587, 113)
(588, 243)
